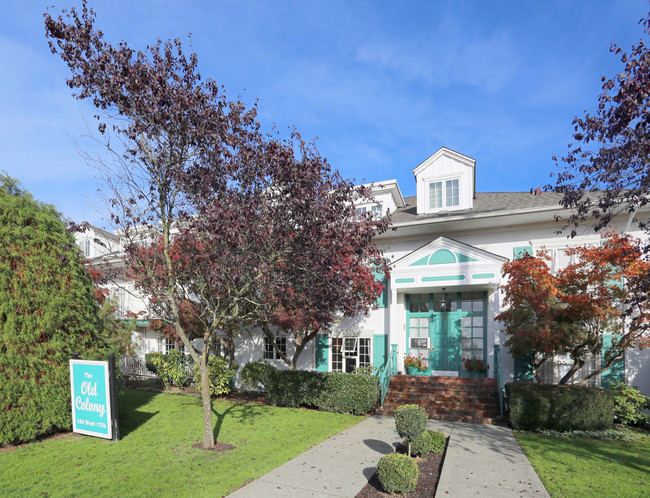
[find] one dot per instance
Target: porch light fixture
(444, 304)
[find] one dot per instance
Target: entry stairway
(446, 398)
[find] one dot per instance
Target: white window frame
(350, 353)
(444, 192)
(165, 345)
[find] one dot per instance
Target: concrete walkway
(481, 460)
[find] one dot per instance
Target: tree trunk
(208, 433)
(577, 365)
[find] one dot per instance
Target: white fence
(132, 366)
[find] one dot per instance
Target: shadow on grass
(129, 415)
(239, 410)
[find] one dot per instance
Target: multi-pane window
(85, 246)
(165, 346)
(119, 296)
(419, 303)
(554, 369)
(444, 194)
(473, 325)
(349, 353)
(270, 352)
(452, 191)
(375, 209)
(435, 195)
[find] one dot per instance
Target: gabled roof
(484, 203)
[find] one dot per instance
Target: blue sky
(382, 84)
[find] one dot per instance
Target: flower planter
(477, 373)
(412, 371)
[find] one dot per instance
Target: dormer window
(445, 182)
(444, 194)
(376, 210)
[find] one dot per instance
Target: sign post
(94, 401)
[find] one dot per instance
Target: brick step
(460, 399)
(447, 393)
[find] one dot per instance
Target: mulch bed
(429, 473)
(217, 447)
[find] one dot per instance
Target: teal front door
(444, 333)
(432, 334)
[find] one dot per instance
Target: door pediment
(445, 261)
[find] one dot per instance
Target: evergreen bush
(410, 421)
(559, 407)
(428, 442)
(220, 375)
(47, 312)
(328, 391)
(629, 404)
(397, 473)
(349, 393)
(172, 368)
(148, 361)
(255, 374)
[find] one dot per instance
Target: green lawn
(589, 467)
(155, 455)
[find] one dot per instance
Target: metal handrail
(387, 373)
(499, 374)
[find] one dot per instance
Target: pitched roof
(484, 203)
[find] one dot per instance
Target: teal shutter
(321, 353)
(523, 371)
(518, 252)
(379, 351)
(615, 373)
(382, 300)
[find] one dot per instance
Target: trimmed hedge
(410, 421)
(255, 374)
(328, 391)
(349, 393)
(428, 442)
(559, 408)
(397, 473)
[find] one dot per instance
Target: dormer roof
(445, 181)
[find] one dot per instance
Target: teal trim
(443, 278)
(387, 373)
(404, 280)
(421, 262)
(382, 300)
(462, 258)
(615, 373)
(321, 353)
(441, 257)
(379, 351)
(518, 252)
(142, 322)
(523, 371)
(483, 275)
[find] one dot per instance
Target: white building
(449, 245)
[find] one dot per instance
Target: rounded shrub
(397, 473)
(438, 442)
(428, 442)
(410, 421)
(421, 445)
